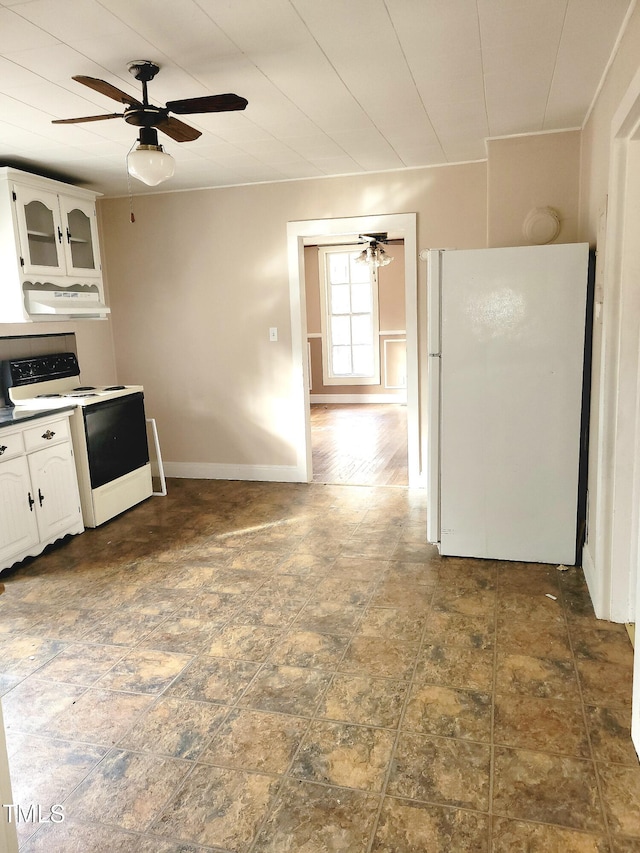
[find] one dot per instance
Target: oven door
(116, 436)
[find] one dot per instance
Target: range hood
(66, 303)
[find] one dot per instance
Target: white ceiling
(334, 86)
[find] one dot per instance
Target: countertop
(10, 416)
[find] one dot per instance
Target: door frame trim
(403, 224)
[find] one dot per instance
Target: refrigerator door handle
(433, 448)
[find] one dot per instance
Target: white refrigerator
(506, 343)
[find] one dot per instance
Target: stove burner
(38, 396)
(84, 388)
(115, 388)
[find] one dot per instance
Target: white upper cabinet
(80, 237)
(40, 231)
(49, 252)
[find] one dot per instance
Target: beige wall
(200, 277)
(528, 172)
(392, 317)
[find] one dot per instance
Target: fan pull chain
(132, 217)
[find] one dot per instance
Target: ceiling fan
(380, 237)
(150, 118)
(374, 254)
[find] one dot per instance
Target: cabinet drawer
(46, 433)
(10, 445)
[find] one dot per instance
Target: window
(349, 316)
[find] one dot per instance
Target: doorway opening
(356, 342)
(402, 227)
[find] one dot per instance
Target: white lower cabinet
(39, 499)
(53, 477)
(18, 525)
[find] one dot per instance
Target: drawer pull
(3, 447)
(48, 434)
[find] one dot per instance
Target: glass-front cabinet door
(80, 236)
(40, 230)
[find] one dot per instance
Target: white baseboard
(220, 471)
(359, 398)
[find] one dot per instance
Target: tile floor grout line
(311, 720)
(399, 730)
(585, 721)
(494, 680)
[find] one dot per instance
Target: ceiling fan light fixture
(374, 255)
(149, 162)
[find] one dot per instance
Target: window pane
(80, 239)
(350, 324)
(341, 361)
(41, 235)
(361, 298)
(361, 329)
(340, 299)
(359, 272)
(340, 331)
(363, 360)
(338, 267)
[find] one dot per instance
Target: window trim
(325, 325)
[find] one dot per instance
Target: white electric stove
(108, 430)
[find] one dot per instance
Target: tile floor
(265, 668)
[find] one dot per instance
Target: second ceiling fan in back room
(149, 162)
(374, 254)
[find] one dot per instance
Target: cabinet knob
(48, 435)
(3, 447)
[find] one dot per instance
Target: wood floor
(359, 444)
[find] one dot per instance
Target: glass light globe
(150, 164)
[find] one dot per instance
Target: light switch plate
(273, 333)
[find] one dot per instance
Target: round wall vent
(542, 225)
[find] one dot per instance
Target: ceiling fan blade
(85, 118)
(178, 130)
(107, 89)
(207, 104)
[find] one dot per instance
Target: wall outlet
(273, 333)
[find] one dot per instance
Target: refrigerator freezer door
(433, 396)
(434, 269)
(513, 324)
